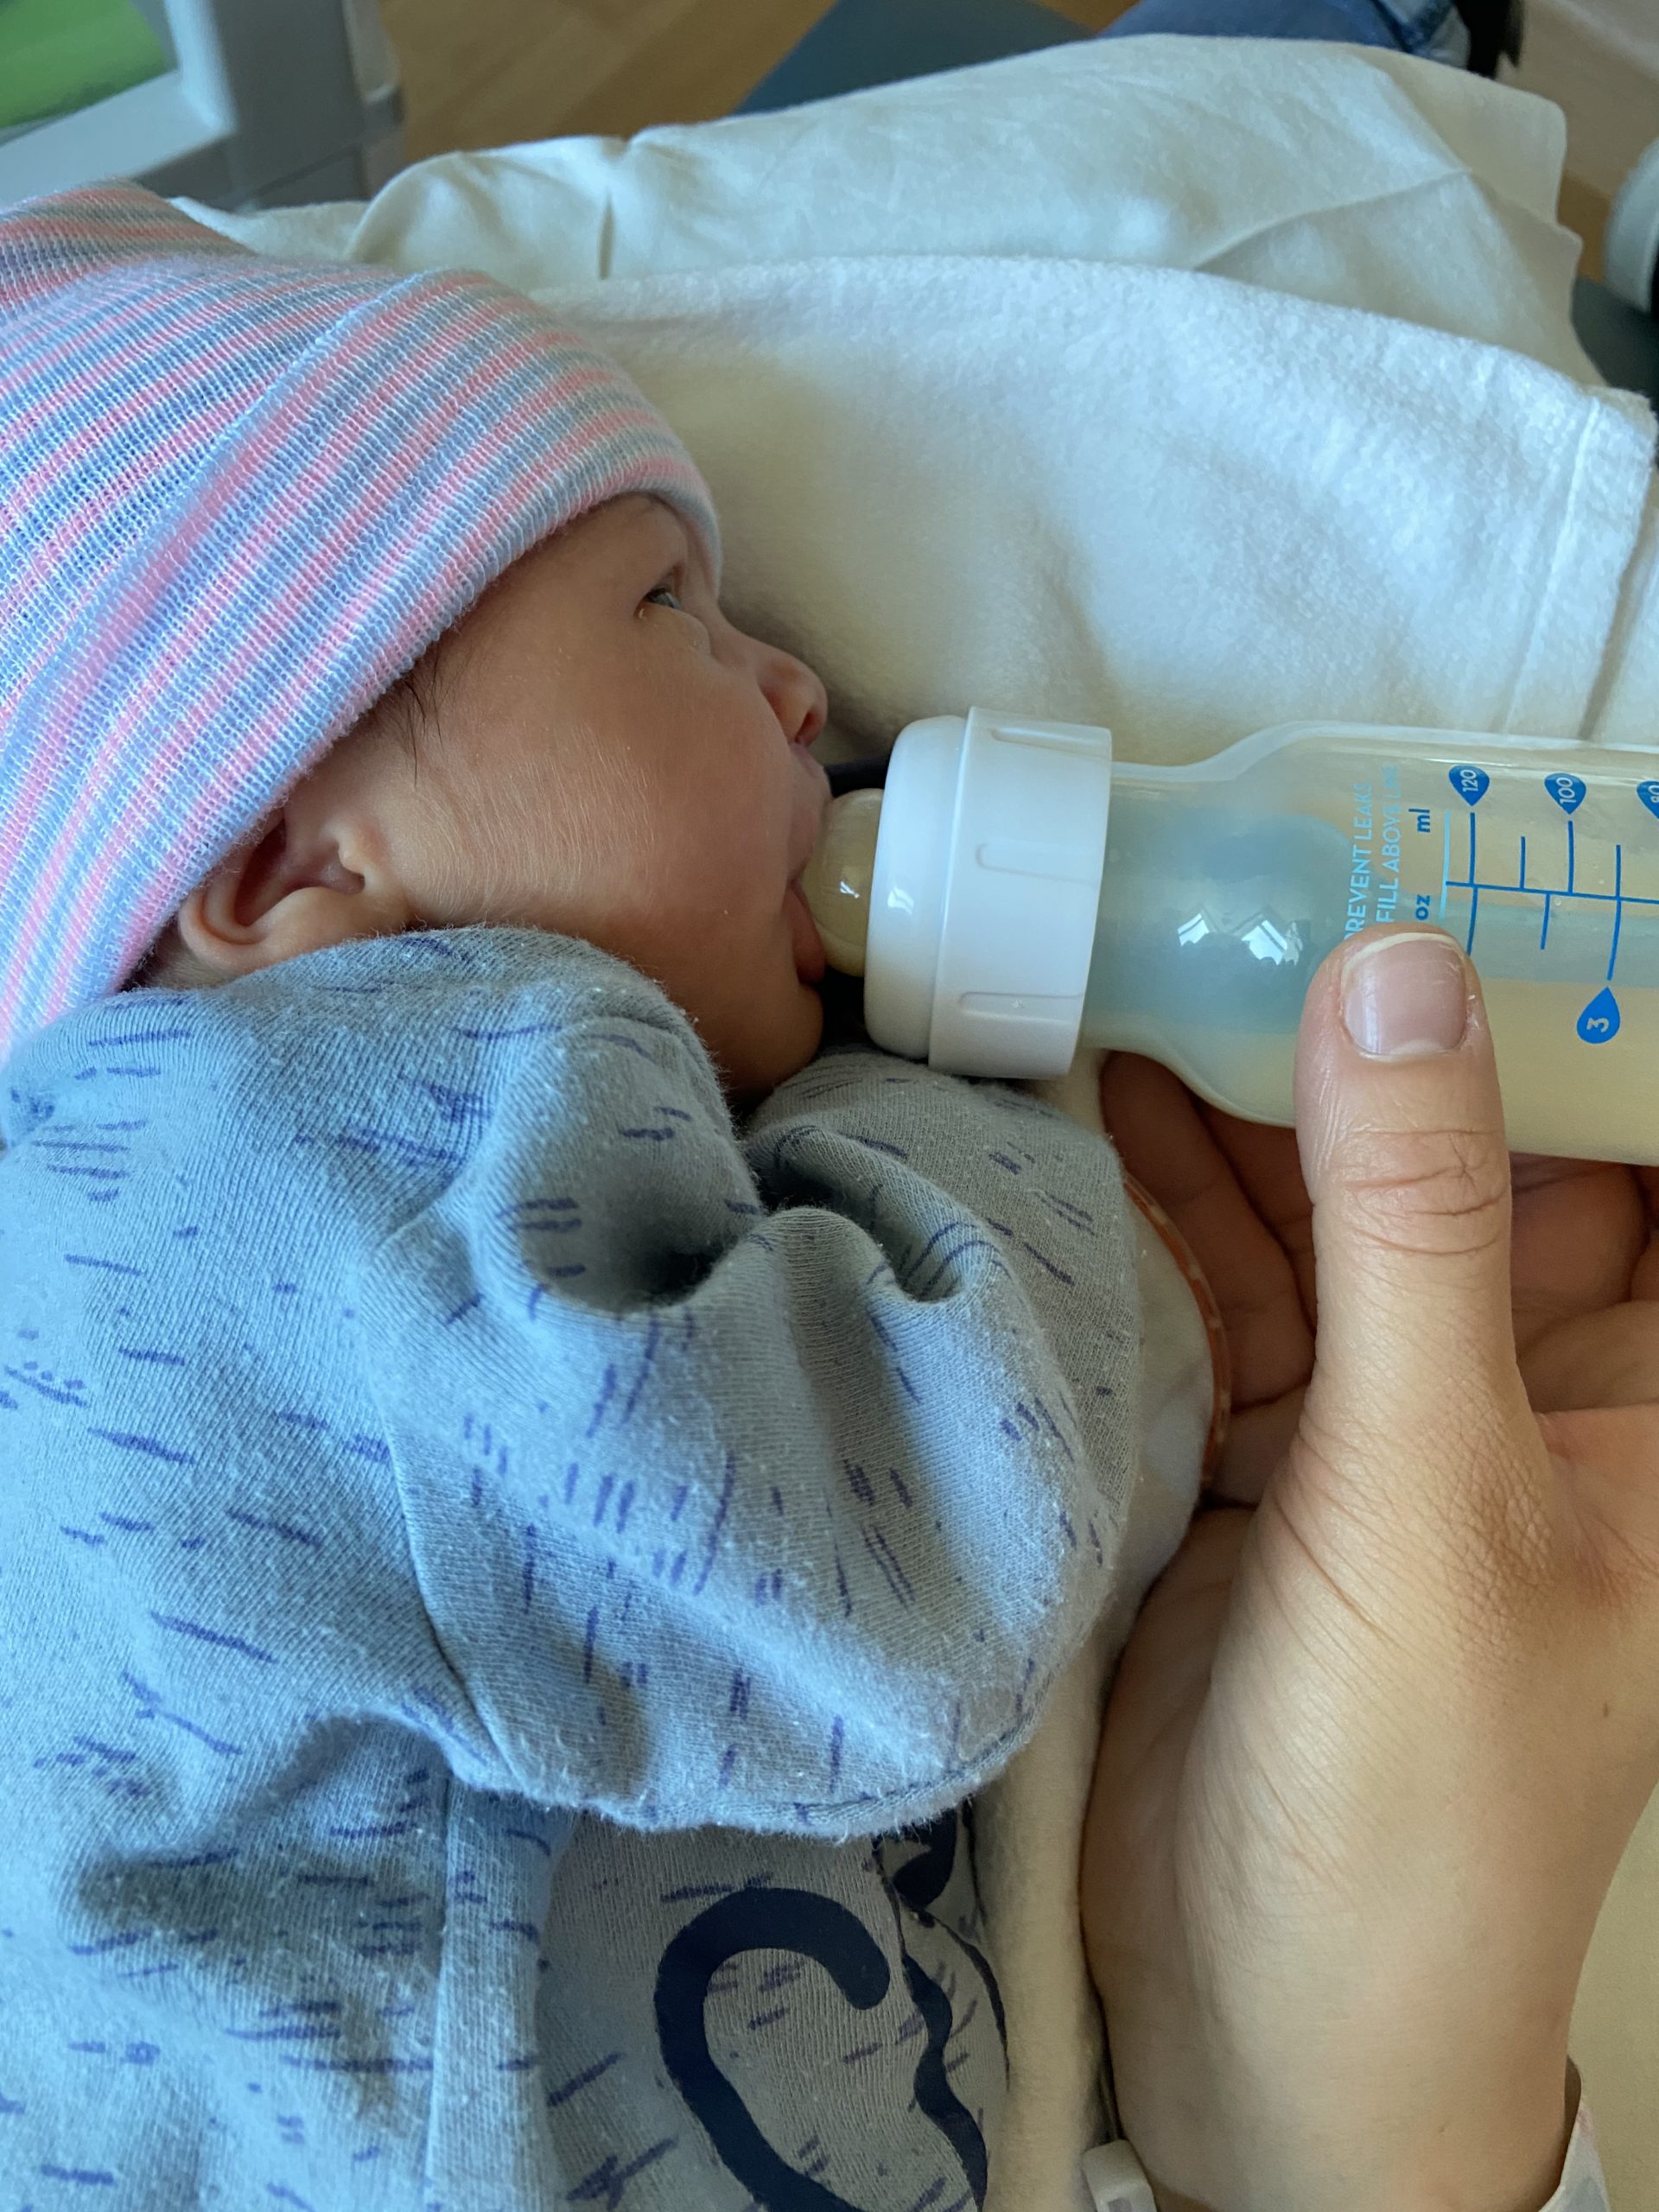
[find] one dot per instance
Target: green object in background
(58, 55)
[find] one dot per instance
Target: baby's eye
(665, 597)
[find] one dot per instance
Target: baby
(515, 1562)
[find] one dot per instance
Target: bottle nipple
(835, 882)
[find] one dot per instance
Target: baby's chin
(773, 1049)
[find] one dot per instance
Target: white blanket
(1164, 382)
(1185, 385)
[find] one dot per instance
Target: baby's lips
(809, 962)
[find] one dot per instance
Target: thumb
(1401, 1134)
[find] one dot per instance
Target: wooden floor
(489, 72)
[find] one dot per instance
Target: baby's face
(616, 761)
(612, 759)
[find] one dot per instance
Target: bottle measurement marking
(1600, 1019)
(1618, 899)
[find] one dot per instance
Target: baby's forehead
(618, 533)
(615, 535)
(638, 516)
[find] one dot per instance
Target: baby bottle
(1015, 891)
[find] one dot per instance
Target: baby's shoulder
(361, 1078)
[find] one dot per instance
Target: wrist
(1519, 2172)
(1503, 2152)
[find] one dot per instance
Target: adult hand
(1375, 1748)
(1584, 1274)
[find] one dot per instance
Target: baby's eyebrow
(661, 511)
(690, 554)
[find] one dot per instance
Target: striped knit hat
(239, 496)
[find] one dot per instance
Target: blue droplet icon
(1648, 795)
(1567, 791)
(1600, 1019)
(1468, 782)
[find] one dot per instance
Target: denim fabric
(1433, 29)
(860, 43)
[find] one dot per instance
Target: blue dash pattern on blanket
(508, 1581)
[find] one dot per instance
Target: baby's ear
(171, 966)
(311, 876)
(220, 929)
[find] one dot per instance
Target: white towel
(1095, 383)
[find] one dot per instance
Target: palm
(1585, 1274)
(1586, 1302)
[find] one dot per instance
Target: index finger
(1165, 1144)
(1269, 1169)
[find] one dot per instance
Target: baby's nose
(797, 698)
